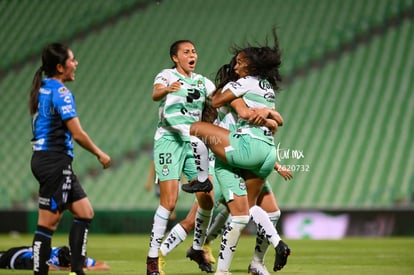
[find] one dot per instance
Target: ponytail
(36, 83)
(52, 55)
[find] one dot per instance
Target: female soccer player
(245, 145)
(21, 257)
(54, 123)
(182, 94)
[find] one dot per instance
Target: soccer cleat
(77, 273)
(161, 264)
(208, 254)
(282, 253)
(257, 268)
(152, 266)
(198, 257)
(197, 186)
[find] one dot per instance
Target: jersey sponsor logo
(162, 79)
(37, 144)
(235, 85)
(193, 94)
(44, 201)
(44, 91)
(67, 99)
(265, 85)
(67, 109)
(269, 96)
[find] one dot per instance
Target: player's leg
(179, 232)
(168, 200)
(267, 201)
(50, 170)
(168, 164)
(83, 214)
(235, 194)
(202, 215)
(78, 236)
(42, 240)
(215, 137)
(239, 219)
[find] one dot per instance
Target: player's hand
(283, 172)
(258, 116)
(276, 116)
(174, 87)
(105, 160)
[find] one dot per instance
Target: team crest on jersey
(165, 170)
(200, 85)
(242, 184)
(62, 90)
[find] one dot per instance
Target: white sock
(262, 244)
(202, 221)
(229, 241)
(200, 153)
(264, 225)
(218, 225)
(177, 235)
(158, 230)
(274, 217)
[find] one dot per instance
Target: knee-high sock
(202, 221)
(158, 230)
(78, 238)
(262, 244)
(229, 241)
(264, 225)
(218, 225)
(200, 152)
(41, 250)
(177, 235)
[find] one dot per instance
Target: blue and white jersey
(56, 104)
(25, 255)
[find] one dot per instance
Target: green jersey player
(181, 94)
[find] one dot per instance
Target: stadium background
(347, 99)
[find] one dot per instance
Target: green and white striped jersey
(256, 93)
(178, 110)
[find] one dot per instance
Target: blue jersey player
(21, 257)
(55, 123)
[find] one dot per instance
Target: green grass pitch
(126, 254)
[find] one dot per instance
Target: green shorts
(229, 182)
(218, 195)
(252, 154)
(172, 158)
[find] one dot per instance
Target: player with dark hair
(181, 94)
(245, 145)
(55, 123)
